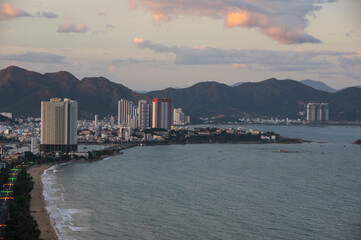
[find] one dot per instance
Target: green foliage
(21, 225)
(152, 130)
(29, 155)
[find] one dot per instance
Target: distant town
(59, 131)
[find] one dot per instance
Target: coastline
(38, 204)
(46, 225)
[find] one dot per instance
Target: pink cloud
(71, 27)
(282, 21)
(353, 55)
(111, 68)
(239, 65)
(7, 11)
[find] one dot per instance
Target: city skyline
(148, 45)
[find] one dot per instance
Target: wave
(61, 217)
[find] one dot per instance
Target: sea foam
(53, 193)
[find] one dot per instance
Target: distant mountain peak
(237, 84)
(14, 68)
(318, 85)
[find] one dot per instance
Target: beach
(38, 204)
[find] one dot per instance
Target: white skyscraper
(112, 121)
(178, 116)
(96, 120)
(143, 114)
(317, 112)
(34, 145)
(59, 125)
(127, 113)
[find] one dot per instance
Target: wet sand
(38, 204)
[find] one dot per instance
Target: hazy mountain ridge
(268, 98)
(272, 97)
(318, 85)
(21, 92)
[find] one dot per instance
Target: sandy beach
(37, 204)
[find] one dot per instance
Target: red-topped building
(162, 113)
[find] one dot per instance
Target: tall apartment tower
(112, 121)
(143, 115)
(324, 112)
(96, 120)
(34, 145)
(178, 116)
(59, 125)
(317, 112)
(127, 113)
(162, 113)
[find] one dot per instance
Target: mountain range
(21, 92)
(311, 83)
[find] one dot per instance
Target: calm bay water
(218, 191)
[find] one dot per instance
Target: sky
(154, 44)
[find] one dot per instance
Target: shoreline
(38, 204)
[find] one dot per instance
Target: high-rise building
(127, 113)
(143, 115)
(59, 125)
(317, 112)
(112, 121)
(34, 145)
(312, 111)
(324, 112)
(162, 113)
(187, 120)
(96, 120)
(178, 116)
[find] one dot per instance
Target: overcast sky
(154, 44)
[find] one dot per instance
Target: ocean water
(215, 191)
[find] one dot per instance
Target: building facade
(144, 115)
(34, 145)
(317, 112)
(96, 120)
(127, 113)
(7, 114)
(59, 125)
(162, 113)
(178, 117)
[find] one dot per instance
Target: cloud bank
(71, 27)
(297, 60)
(282, 21)
(34, 57)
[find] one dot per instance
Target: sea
(215, 191)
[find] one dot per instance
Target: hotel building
(59, 125)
